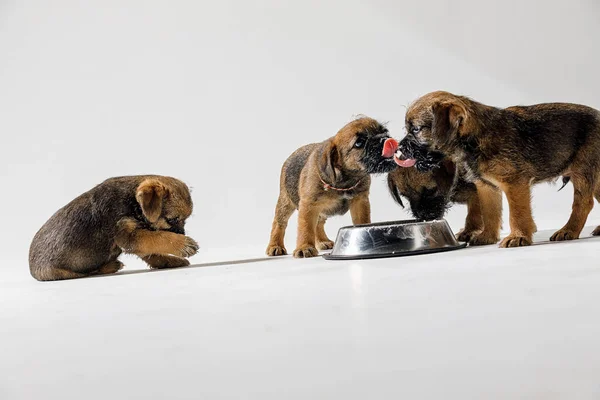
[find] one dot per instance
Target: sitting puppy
(330, 178)
(431, 192)
(512, 149)
(142, 215)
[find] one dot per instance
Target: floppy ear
(449, 118)
(329, 163)
(150, 195)
(394, 191)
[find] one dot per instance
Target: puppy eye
(415, 129)
(360, 143)
(172, 221)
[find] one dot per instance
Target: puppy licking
(141, 215)
(329, 178)
(512, 149)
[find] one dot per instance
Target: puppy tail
(394, 191)
(565, 180)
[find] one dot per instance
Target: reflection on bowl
(393, 239)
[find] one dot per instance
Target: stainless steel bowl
(393, 239)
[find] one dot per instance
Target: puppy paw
(325, 245)
(190, 247)
(306, 252)
(276, 251)
(565, 234)
(156, 261)
(110, 268)
(596, 232)
(514, 240)
(465, 235)
(483, 239)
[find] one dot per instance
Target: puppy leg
(142, 242)
(360, 210)
(522, 225)
(490, 203)
(283, 212)
(323, 242)
(473, 222)
(583, 202)
(308, 216)
(158, 261)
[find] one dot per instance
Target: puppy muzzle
(427, 159)
(374, 158)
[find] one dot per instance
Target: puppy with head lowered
(512, 149)
(141, 215)
(432, 189)
(329, 178)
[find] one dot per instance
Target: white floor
(478, 323)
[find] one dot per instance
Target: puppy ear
(450, 118)
(394, 191)
(150, 195)
(329, 163)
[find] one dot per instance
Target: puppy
(141, 215)
(431, 192)
(512, 149)
(329, 178)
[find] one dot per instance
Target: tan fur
(142, 215)
(514, 148)
(339, 163)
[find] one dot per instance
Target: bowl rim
(329, 256)
(398, 222)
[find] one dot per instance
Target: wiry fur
(431, 193)
(512, 149)
(142, 215)
(339, 163)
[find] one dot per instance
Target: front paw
(190, 247)
(514, 240)
(306, 251)
(276, 251)
(565, 234)
(483, 239)
(325, 245)
(465, 235)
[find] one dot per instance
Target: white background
(219, 93)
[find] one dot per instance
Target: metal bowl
(393, 239)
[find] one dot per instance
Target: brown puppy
(430, 194)
(512, 149)
(142, 215)
(329, 178)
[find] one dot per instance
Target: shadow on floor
(210, 264)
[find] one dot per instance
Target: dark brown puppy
(432, 192)
(329, 178)
(142, 215)
(512, 149)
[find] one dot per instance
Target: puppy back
(292, 169)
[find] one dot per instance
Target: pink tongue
(405, 163)
(389, 148)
